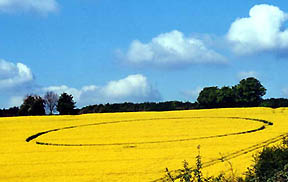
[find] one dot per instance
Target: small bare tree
(51, 100)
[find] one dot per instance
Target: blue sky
(151, 50)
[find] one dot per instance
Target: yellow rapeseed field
(134, 146)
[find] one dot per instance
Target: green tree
(32, 105)
(226, 97)
(208, 97)
(66, 104)
(249, 92)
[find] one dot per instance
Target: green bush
(270, 164)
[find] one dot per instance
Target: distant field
(134, 146)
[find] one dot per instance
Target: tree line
(34, 105)
(247, 93)
(134, 107)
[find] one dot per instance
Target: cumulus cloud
(40, 6)
(171, 48)
(263, 30)
(15, 101)
(133, 88)
(192, 94)
(63, 88)
(246, 74)
(14, 75)
(285, 92)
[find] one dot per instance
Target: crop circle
(133, 140)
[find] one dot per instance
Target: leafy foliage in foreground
(271, 165)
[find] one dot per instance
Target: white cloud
(133, 85)
(15, 101)
(171, 48)
(285, 92)
(192, 94)
(63, 88)
(40, 6)
(246, 74)
(134, 88)
(14, 75)
(263, 30)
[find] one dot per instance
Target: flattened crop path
(35, 136)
